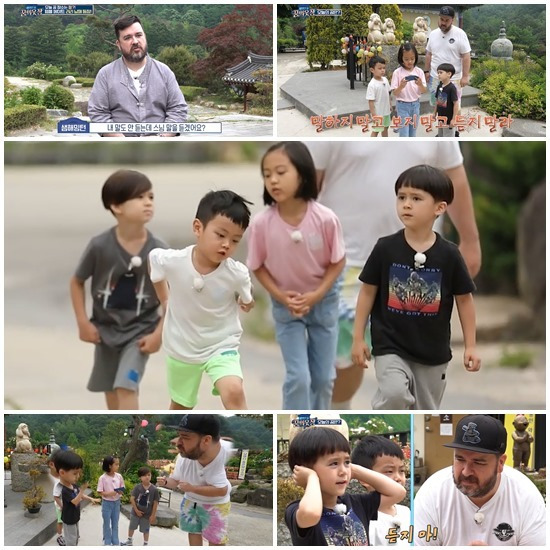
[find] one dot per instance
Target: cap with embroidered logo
(202, 424)
(480, 433)
(447, 11)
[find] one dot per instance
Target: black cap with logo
(203, 424)
(480, 433)
(447, 11)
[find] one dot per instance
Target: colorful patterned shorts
(209, 519)
(348, 286)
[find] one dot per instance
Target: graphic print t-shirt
(411, 314)
(349, 529)
(445, 98)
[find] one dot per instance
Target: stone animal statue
(420, 36)
(375, 35)
(23, 439)
(522, 442)
(389, 30)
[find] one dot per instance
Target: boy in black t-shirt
(326, 515)
(69, 467)
(411, 281)
(446, 100)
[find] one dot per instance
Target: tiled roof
(243, 72)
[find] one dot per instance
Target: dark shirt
(445, 98)
(411, 315)
(70, 514)
(350, 529)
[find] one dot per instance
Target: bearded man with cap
(200, 474)
(478, 501)
(447, 44)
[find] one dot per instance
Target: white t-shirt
(135, 77)
(379, 529)
(379, 92)
(200, 324)
(448, 48)
(515, 515)
(57, 490)
(359, 185)
(212, 474)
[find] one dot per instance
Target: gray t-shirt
(125, 305)
(145, 498)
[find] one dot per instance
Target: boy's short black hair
(124, 22)
(372, 447)
(312, 443)
(108, 461)
(300, 157)
(376, 59)
(407, 47)
(143, 471)
(427, 178)
(122, 186)
(67, 460)
(447, 67)
(225, 203)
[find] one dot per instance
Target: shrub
(57, 97)
(11, 95)
(262, 100)
(59, 75)
(504, 95)
(88, 65)
(192, 92)
(287, 491)
(179, 59)
(23, 116)
(42, 71)
(31, 96)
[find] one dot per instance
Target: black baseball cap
(447, 11)
(203, 424)
(480, 433)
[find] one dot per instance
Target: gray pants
(446, 132)
(71, 534)
(404, 385)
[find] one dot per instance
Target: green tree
(74, 38)
(48, 42)
(180, 60)
(355, 19)
(194, 17)
(15, 40)
(322, 40)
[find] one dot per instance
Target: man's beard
(135, 57)
(482, 490)
(444, 29)
(194, 454)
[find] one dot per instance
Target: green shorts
(385, 124)
(184, 379)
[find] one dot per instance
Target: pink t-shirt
(411, 91)
(107, 484)
(297, 257)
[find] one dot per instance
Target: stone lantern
(502, 48)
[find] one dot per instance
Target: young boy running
(124, 326)
(410, 283)
(201, 289)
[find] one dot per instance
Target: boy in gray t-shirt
(144, 499)
(125, 324)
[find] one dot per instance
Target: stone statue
(502, 47)
(389, 30)
(420, 36)
(23, 439)
(375, 35)
(522, 442)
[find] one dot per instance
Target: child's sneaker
(61, 541)
(128, 542)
